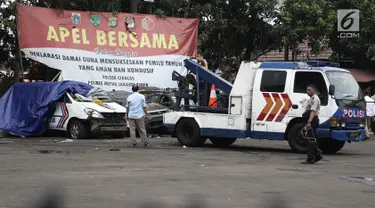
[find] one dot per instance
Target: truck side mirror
(331, 90)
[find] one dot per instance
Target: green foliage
(360, 49)
(307, 20)
(231, 31)
(235, 30)
(228, 29)
(7, 19)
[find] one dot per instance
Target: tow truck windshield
(346, 87)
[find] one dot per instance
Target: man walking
(311, 117)
(136, 115)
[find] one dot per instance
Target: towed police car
(81, 117)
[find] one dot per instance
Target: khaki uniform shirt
(314, 104)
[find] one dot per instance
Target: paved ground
(250, 174)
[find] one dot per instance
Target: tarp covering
(26, 108)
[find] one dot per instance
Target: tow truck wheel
(222, 142)
(372, 125)
(77, 129)
(188, 133)
(330, 146)
(296, 142)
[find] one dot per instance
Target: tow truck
(266, 101)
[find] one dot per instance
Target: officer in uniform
(311, 117)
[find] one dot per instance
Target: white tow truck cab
(267, 101)
(81, 118)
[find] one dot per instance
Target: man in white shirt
(136, 115)
(370, 113)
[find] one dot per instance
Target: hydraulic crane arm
(208, 76)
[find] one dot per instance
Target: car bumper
(154, 122)
(342, 135)
(98, 125)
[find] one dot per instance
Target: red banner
(99, 32)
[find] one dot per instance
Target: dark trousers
(312, 145)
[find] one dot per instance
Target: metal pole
(56, 77)
(19, 65)
(133, 6)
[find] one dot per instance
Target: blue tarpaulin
(26, 108)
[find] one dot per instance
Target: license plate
(112, 128)
(354, 134)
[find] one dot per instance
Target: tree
(311, 21)
(361, 49)
(7, 28)
(238, 28)
(231, 31)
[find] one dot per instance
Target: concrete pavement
(107, 173)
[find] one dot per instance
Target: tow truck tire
(372, 125)
(330, 146)
(77, 129)
(295, 140)
(222, 142)
(188, 133)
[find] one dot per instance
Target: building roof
(304, 54)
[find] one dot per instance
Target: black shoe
(309, 161)
(134, 144)
(318, 158)
(146, 144)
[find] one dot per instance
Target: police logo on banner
(76, 18)
(147, 23)
(112, 20)
(95, 19)
(130, 22)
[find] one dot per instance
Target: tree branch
(261, 54)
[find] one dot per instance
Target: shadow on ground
(54, 198)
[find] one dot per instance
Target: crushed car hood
(112, 107)
(155, 107)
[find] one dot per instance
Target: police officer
(311, 117)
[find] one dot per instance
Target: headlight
(362, 125)
(93, 113)
(334, 122)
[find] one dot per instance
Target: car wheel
(222, 142)
(296, 142)
(372, 126)
(330, 146)
(78, 130)
(188, 133)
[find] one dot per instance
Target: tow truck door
(270, 104)
(299, 95)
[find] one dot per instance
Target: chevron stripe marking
(276, 108)
(61, 118)
(267, 108)
(286, 108)
(64, 115)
